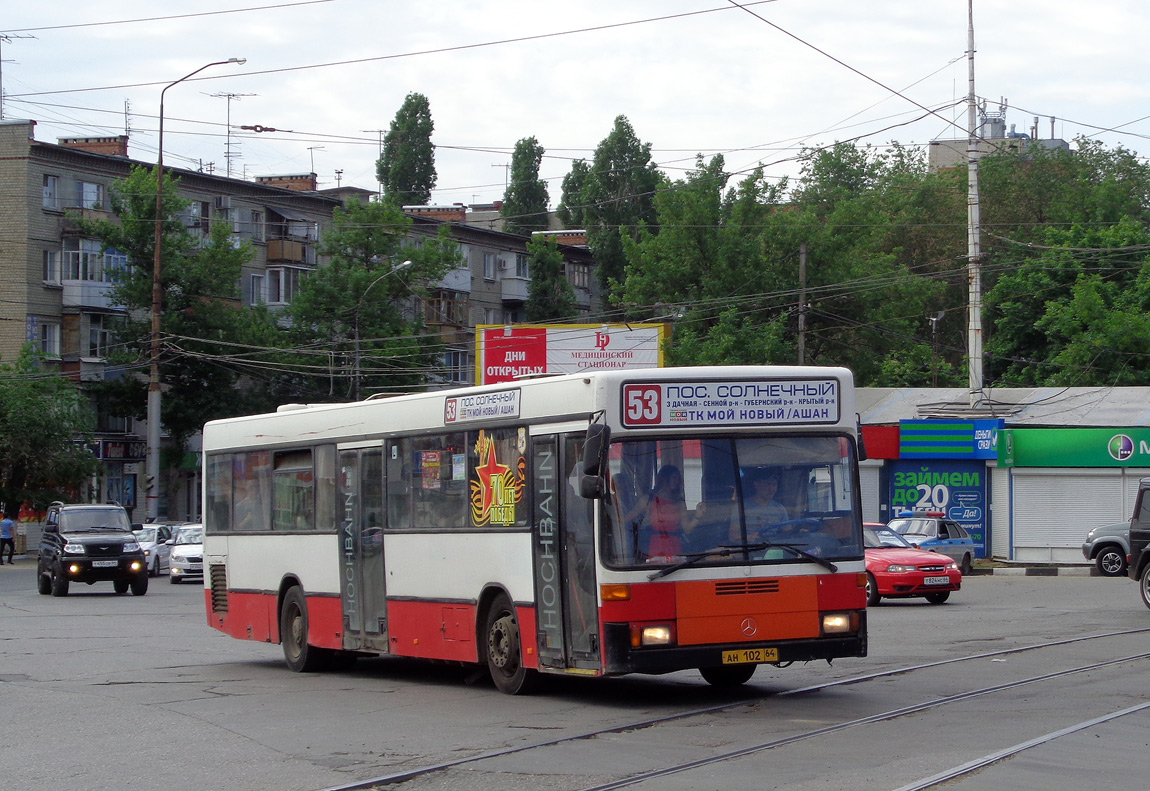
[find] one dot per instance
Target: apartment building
(58, 283)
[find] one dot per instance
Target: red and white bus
(527, 526)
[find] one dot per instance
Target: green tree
(200, 317)
(45, 422)
(525, 202)
(570, 210)
(550, 296)
(618, 199)
(363, 311)
(406, 168)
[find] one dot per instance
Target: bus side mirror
(593, 483)
(861, 442)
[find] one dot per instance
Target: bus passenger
(761, 510)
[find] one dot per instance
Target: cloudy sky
(755, 83)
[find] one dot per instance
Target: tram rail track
(406, 775)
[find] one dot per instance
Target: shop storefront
(1058, 483)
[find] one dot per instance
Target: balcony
(87, 295)
(515, 289)
(288, 251)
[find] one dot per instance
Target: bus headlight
(652, 634)
(840, 622)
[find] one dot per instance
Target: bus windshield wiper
(693, 558)
(792, 548)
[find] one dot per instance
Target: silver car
(187, 558)
(153, 540)
(1108, 546)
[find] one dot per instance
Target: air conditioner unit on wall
(506, 264)
(223, 201)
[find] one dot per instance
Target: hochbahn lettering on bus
(731, 403)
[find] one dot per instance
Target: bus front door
(566, 603)
(362, 594)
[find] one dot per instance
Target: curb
(1039, 571)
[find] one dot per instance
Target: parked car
(153, 538)
(187, 557)
(1108, 546)
(89, 543)
(896, 569)
(932, 531)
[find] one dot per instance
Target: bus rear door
(361, 572)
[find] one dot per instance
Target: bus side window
(399, 456)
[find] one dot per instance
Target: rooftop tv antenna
(228, 155)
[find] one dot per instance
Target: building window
(85, 260)
(489, 263)
(51, 266)
(257, 295)
(257, 227)
(521, 266)
(48, 341)
(578, 275)
(456, 366)
(91, 195)
(282, 284)
(199, 216)
(99, 338)
(51, 192)
(492, 316)
(446, 307)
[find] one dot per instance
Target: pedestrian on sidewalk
(7, 538)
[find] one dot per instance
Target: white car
(153, 539)
(187, 557)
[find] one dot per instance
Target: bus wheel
(299, 656)
(728, 675)
(504, 654)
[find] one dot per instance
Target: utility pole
(973, 231)
(380, 132)
(803, 303)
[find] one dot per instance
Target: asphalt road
(99, 691)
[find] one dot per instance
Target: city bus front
(725, 551)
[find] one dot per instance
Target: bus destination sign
(735, 403)
(482, 406)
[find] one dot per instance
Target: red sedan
(895, 569)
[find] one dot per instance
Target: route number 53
(642, 404)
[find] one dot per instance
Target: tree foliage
(617, 200)
(406, 168)
(364, 309)
(524, 206)
(200, 316)
(45, 423)
(550, 297)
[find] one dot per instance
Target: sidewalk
(1038, 570)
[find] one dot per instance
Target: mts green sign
(1074, 447)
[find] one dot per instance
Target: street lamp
(358, 305)
(152, 468)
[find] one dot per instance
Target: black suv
(89, 543)
(1139, 568)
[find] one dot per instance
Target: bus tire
(728, 675)
(299, 656)
(503, 649)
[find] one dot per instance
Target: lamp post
(358, 305)
(152, 467)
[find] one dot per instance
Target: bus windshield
(730, 500)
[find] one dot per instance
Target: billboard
(506, 352)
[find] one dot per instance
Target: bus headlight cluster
(840, 622)
(652, 634)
